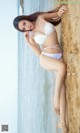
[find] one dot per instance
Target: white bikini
(40, 39)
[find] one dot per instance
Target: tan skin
(57, 65)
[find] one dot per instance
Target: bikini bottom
(55, 55)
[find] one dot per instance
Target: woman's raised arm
(60, 12)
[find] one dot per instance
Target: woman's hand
(26, 34)
(30, 39)
(62, 10)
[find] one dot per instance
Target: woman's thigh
(49, 63)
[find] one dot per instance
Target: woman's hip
(54, 55)
(50, 63)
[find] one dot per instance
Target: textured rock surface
(71, 50)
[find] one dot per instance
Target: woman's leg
(63, 103)
(60, 76)
(62, 123)
(59, 97)
(60, 67)
(62, 107)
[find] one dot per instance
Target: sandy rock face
(70, 39)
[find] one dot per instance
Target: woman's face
(25, 25)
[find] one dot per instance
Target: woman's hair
(33, 17)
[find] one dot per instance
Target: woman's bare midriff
(51, 41)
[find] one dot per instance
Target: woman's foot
(57, 110)
(56, 106)
(63, 126)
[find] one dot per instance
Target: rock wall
(70, 39)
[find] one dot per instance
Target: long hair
(33, 17)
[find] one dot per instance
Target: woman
(39, 30)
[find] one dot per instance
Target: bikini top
(40, 37)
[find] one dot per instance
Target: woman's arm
(51, 15)
(33, 45)
(55, 9)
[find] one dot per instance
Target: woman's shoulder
(40, 22)
(41, 18)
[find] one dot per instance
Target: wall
(71, 46)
